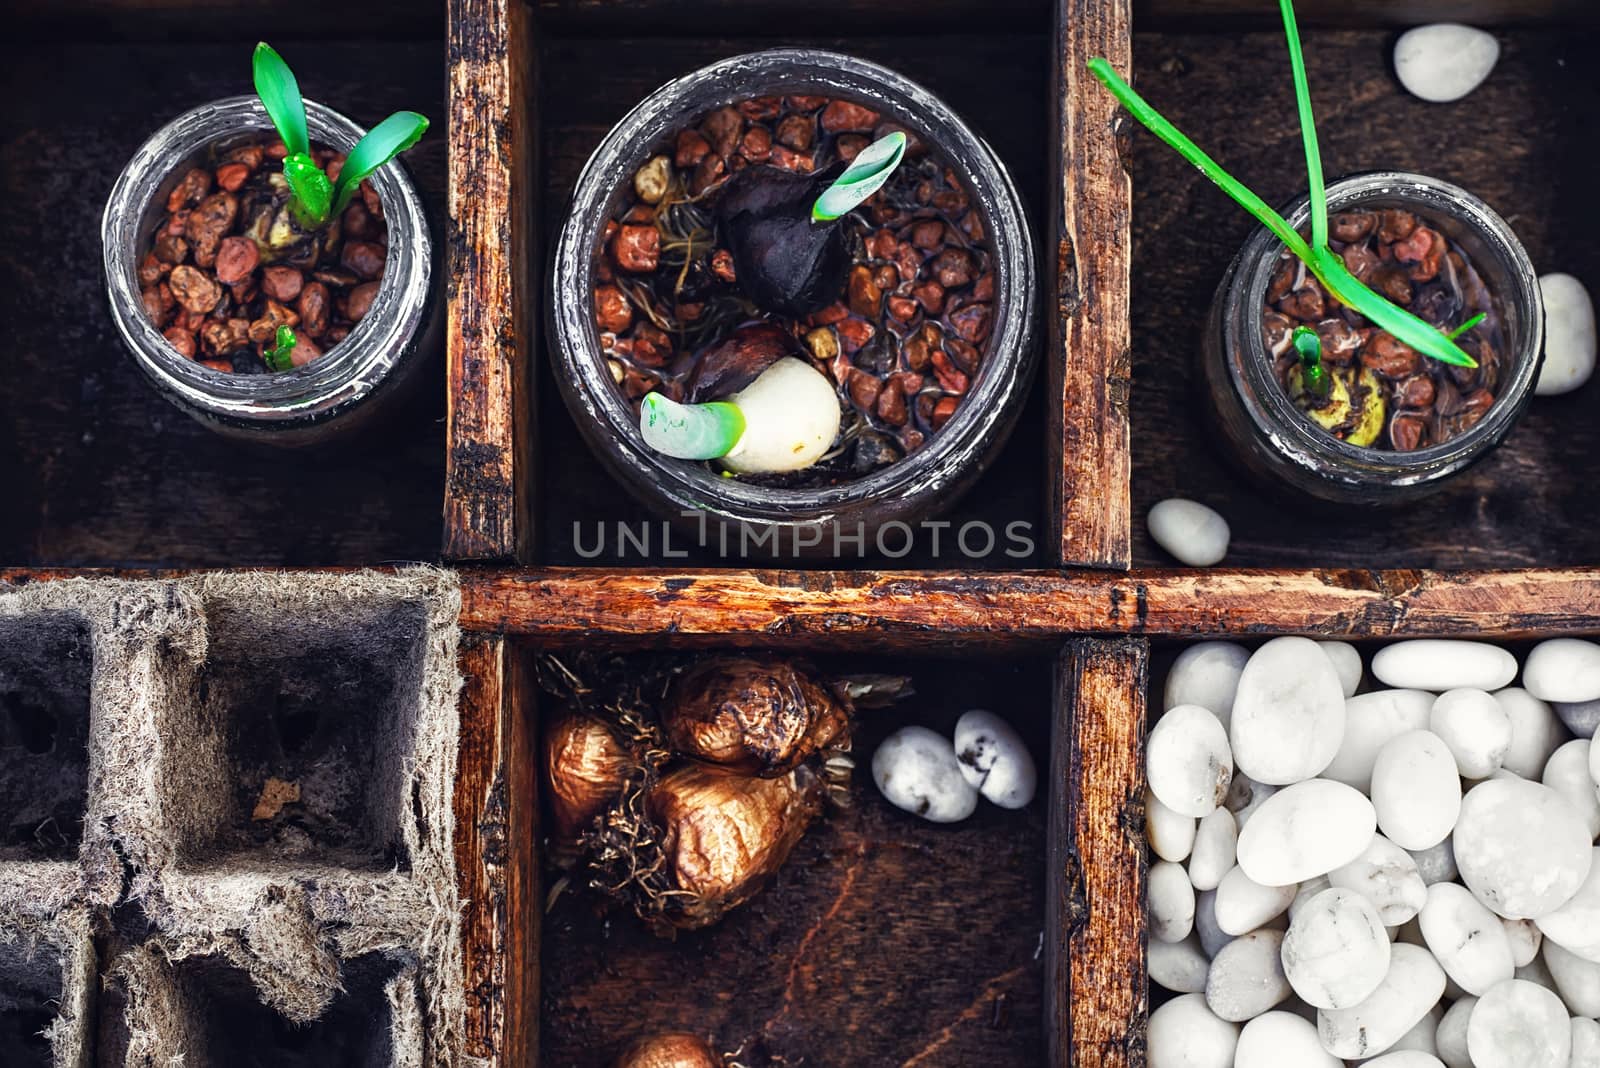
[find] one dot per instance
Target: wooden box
(884, 942)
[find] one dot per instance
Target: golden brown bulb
(584, 769)
(725, 834)
(676, 1049)
(753, 716)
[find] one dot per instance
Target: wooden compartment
(884, 939)
(516, 462)
(101, 470)
(1516, 142)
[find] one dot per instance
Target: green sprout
(316, 197)
(1323, 262)
(690, 431)
(1315, 376)
(277, 355)
(864, 177)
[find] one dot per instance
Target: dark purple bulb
(786, 263)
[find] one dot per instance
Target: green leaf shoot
(1468, 325)
(280, 95)
(1308, 344)
(277, 356)
(1326, 265)
(383, 143)
(316, 197)
(690, 431)
(865, 176)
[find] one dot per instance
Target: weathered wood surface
(1238, 14)
(1008, 105)
(123, 21)
(850, 609)
(1095, 937)
(1520, 142)
(1086, 259)
(489, 468)
(496, 828)
(885, 940)
(98, 469)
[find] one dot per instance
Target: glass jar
(804, 521)
(1276, 442)
(344, 388)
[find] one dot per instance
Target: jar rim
(341, 376)
(581, 366)
(1274, 413)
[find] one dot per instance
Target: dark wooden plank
(781, 18)
(884, 940)
(1234, 15)
(1520, 142)
(489, 468)
(1088, 353)
(496, 828)
(124, 21)
(100, 470)
(1007, 105)
(908, 610)
(1095, 941)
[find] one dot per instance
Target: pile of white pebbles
(1402, 874)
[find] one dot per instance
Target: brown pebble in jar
(152, 270)
(1352, 226)
(282, 284)
(692, 147)
(863, 291)
(365, 259)
(158, 303)
(314, 308)
(1308, 303)
(892, 403)
(950, 377)
(637, 249)
(1424, 250)
(1407, 432)
(931, 296)
(757, 144)
(1390, 357)
(943, 410)
(264, 329)
(182, 340)
(171, 249)
(841, 116)
(952, 267)
(195, 183)
(222, 337)
(972, 323)
(208, 223)
(1414, 392)
(305, 350)
(797, 132)
(1392, 282)
(232, 176)
(359, 302)
(723, 129)
(237, 259)
(611, 309)
(1395, 225)
(864, 389)
(196, 292)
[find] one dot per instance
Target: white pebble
(1416, 790)
(1306, 830)
(1406, 1058)
(1466, 938)
(1188, 761)
(1436, 864)
(1585, 1043)
(1577, 980)
(1582, 718)
(1521, 849)
(1281, 1039)
(1563, 669)
(1475, 727)
(994, 759)
(1171, 902)
(1336, 951)
(1567, 774)
(1191, 532)
(1180, 967)
(1576, 924)
(1212, 938)
(1519, 1025)
(1569, 335)
(1206, 674)
(1215, 850)
(1288, 713)
(1409, 990)
(1370, 721)
(1450, 1039)
(1185, 1033)
(1440, 664)
(1444, 61)
(1242, 904)
(1170, 834)
(1246, 978)
(1535, 732)
(1346, 660)
(1420, 1039)
(916, 770)
(1524, 937)
(1388, 877)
